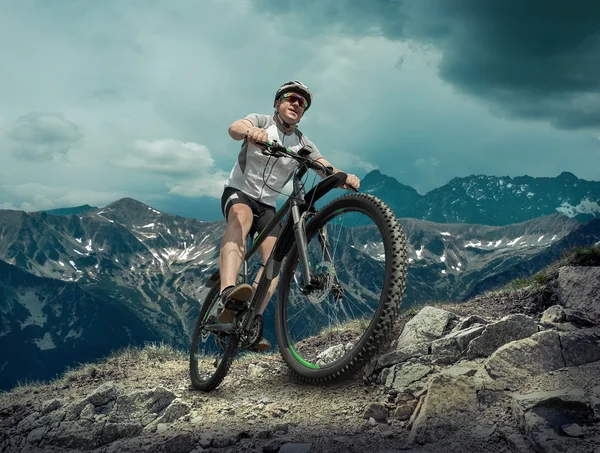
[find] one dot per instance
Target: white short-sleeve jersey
(263, 177)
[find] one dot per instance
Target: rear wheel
(211, 353)
(358, 261)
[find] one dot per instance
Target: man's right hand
(256, 134)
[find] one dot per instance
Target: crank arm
(220, 327)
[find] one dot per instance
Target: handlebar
(276, 150)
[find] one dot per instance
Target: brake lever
(264, 148)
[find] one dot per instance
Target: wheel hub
(323, 282)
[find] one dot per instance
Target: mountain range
(75, 287)
(490, 200)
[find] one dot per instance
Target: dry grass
(576, 256)
(110, 366)
(583, 256)
(354, 325)
(160, 352)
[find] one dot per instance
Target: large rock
(115, 431)
(453, 345)
(401, 355)
(469, 321)
(77, 435)
(510, 328)
(405, 374)
(449, 403)
(581, 347)
(141, 406)
(37, 420)
(579, 288)
(553, 314)
(558, 314)
(429, 324)
(183, 442)
(521, 359)
(104, 394)
(549, 417)
(174, 411)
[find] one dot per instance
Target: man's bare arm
(238, 129)
(351, 180)
(325, 162)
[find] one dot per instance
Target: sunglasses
(292, 97)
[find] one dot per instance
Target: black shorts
(262, 213)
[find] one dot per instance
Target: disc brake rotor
(326, 272)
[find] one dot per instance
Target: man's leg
(265, 251)
(234, 297)
(239, 222)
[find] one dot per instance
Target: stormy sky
(105, 99)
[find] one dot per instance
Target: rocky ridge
(510, 371)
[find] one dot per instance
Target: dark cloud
(536, 59)
(39, 137)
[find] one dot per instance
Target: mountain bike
(339, 290)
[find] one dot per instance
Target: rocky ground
(511, 371)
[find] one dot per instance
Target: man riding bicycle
(249, 199)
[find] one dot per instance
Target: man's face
(291, 107)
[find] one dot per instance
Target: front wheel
(358, 262)
(212, 352)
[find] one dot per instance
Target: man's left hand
(353, 181)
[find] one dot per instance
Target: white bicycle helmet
(294, 86)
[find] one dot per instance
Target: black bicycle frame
(294, 229)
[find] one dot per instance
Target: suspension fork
(301, 243)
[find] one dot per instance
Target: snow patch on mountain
(586, 206)
(514, 241)
(34, 306)
(45, 342)
(419, 252)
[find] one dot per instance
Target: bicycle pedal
(235, 305)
